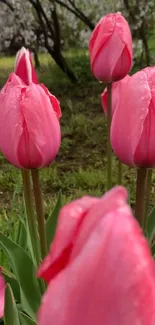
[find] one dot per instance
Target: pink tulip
(24, 67)
(133, 123)
(55, 103)
(99, 268)
(117, 89)
(2, 294)
(25, 70)
(29, 128)
(110, 48)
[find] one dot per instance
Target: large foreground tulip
(2, 294)
(99, 269)
(29, 127)
(133, 123)
(117, 89)
(110, 48)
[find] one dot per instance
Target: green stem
(140, 194)
(31, 221)
(40, 211)
(120, 167)
(148, 192)
(109, 149)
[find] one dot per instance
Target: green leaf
(150, 227)
(52, 220)
(22, 236)
(10, 312)
(152, 247)
(25, 320)
(24, 271)
(14, 285)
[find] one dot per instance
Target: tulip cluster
(128, 102)
(110, 49)
(99, 269)
(132, 97)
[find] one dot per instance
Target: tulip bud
(117, 88)
(132, 128)
(31, 136)
(24, 67)
(110, 48)
(25, 70)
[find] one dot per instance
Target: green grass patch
(80, 167)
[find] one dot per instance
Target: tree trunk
(36, 59)
(145, 44)
(62, 63)
(51, 31)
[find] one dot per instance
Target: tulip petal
(2, 295)
(125, 34)
(55, 103)
(112, 281)
(123, 64)
(70, 219)
(100, 35)
(104, 99)
(74, 226)
(145, 152)
(129, 117)
(117, 196)
(116, 92)
(42, 134)
(28, 154)
(11, 118)
(113, 42)
(24, 67)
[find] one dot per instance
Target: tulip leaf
(52, 220)
(150, 227)
(22, 236)
(25, 320)
(10, 312)
(152, 247)
(24, 239)
(24, 271)
(10, 279)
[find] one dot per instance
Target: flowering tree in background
(53, 26)
(18, 26)
(141, 16)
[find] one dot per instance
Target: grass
(80, 167)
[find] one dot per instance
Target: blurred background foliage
(55, 26)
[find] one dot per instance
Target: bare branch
(51, 31)
(8, 4)
(56, 27)
(77, 12)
